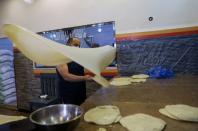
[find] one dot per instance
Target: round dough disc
(142, 122)
(183, 112)
(102, 115)
(163, 111)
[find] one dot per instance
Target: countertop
(145, 97)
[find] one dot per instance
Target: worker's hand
(88, 77)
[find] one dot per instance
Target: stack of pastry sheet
(7, 80)
(139, 78)
(121, 81)
(181, 112)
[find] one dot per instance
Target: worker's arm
(64, 72)
(87, 42)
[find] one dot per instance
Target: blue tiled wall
(179, 53)
(5, 44)
(7, 77)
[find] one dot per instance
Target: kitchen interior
(153, 39)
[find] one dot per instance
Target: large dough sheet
(47, 52)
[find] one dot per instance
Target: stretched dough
(142, 122)
(6, 119)
(47, 52)
(183, 112)
(103, 115)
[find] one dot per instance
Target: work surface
(146, 98)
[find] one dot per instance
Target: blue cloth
(160, 72)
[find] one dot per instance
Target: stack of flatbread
(181, 112)
(121, 81)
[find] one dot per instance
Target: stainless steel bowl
(57, 117)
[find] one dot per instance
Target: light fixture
(54, 35)
(99, 29)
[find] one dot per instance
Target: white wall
(129, 15)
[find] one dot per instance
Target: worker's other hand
(88, 77)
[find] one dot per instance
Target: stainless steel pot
(61, 117)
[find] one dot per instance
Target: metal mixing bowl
(57, 117)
